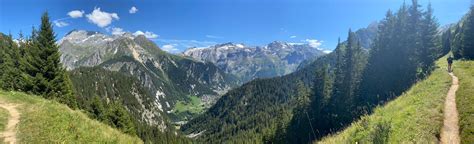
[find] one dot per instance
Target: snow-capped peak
(83, 36)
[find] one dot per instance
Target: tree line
(460, 37)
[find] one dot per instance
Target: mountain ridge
(250, 62)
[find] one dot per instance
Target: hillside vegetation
(3, 120)
(45, 121)
(464, 99)
(415, 116)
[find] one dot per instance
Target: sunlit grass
(44, 121)
(415, 116)
(3, 121)
(194, 106)
(465, 99)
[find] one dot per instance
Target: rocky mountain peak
(229, 45)
(249, 62)
(83, 36)
(278, 45)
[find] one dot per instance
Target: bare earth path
(450, 130)
(9, 134)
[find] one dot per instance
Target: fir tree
(467, 36)
(428, 52)
(11, 73)
(456, 42)
(45, 74)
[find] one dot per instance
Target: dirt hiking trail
(9, 134)
(450, 130)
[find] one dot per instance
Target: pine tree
(97, 109)
(3, 47)
(119, 117)
(467, 36)
(11, 73)
(45, 74)
(428, 51)
(456, 42)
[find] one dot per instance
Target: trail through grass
(465, 99)
(45, 121)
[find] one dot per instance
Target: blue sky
(179, 24)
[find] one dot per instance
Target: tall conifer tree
(44, 71)
(467, 36)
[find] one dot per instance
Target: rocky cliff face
(167, 78)
(248, 63)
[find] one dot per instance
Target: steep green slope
(254, 112)
(44, 121)
(464, 70)
(96, 85)
(415, 116)
(3, 120)
(112, 86)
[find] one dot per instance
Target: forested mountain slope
(330, 93)
(167, 79)
(263, 107)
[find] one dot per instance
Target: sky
(176, 25)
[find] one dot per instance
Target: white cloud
(133, 10)
(292, 36)
(214, 37)
(170, 48)
(60, 23)
(314, 43)
(116, 31)
(147, 34)
(101, 18)
(75, 13)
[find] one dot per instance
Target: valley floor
(415, 116)
(44, 121)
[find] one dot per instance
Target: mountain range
(162, 87)
(166, 79)
(248, 63)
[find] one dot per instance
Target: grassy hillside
(3, 120)
(43, 121)
(465, 100)
(415, 116)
